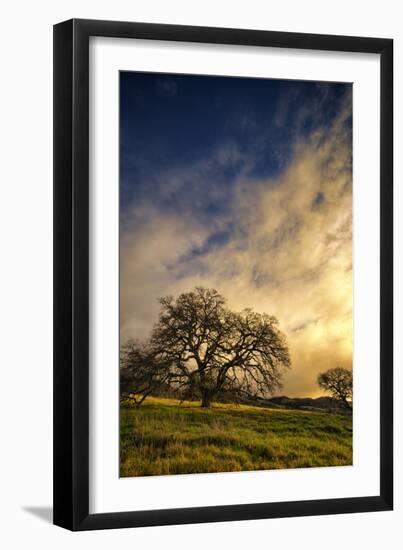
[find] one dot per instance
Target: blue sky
(223, 181)
(170, 122)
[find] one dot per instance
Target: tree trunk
(206, 400)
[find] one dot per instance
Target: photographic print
(235, 274)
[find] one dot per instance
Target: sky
(243, 185)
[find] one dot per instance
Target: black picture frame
(71, 274)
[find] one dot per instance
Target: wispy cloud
(166, 86)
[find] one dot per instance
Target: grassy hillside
(162, 437)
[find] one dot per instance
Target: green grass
(162, 437)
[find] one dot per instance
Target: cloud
(283, 246)
(166, 86)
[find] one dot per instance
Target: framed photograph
(223, 274)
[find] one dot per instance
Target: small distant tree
(339, 383)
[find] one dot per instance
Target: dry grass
(163, 437)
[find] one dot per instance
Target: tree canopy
(202, 349)
(339, 383)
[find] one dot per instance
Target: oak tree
(339, 383)
(203, 349)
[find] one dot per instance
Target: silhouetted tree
(339, 383)
(203, 349)
(142, 371)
